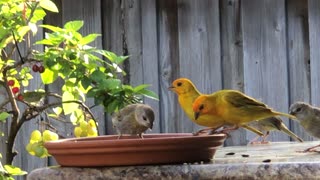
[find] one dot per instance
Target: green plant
(85, 70)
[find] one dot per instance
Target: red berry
(35, 68)
(41, 69)
(15, 90)
(10, 82)
(20, 97)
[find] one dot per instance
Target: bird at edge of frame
(232, 107)
(187, 93)
(308, 117)
(271, 124)
(134, 119)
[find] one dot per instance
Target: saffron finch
(309, 118)
(133, 119)
(233, 108)
(187, 93)
(271, 124)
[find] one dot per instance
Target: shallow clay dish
(131, 150)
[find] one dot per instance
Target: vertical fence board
(169, 64)
(314, 36)
(299, 57)
(199, 49)
(133, 40)
(150, 55)
(112, 30)
(265, 58)
(232, 56)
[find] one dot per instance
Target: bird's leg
(310, 149)
(255, 140)
(211, 129)
(228, 129)
(264, 137)
(140, 135)
(119, 137)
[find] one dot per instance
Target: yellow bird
(187, 93)
(231, 107)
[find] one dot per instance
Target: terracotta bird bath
(131, 150)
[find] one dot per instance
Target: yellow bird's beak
(171, 88)
(196, 115)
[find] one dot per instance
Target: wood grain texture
(168, 64)
(150, 63)
(265, 57)
(112, 30)
(298, 57)
(232, 56)
(199, 49)
(314, 32)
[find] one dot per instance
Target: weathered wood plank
(232, 56)
(112, 29)
(199, 49)
(168, 64)
(314, 32)
(150, 55)
(265, 57)
(299, 57)
(133, 40)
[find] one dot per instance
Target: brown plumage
(134, 119)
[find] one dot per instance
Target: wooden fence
(268, 49)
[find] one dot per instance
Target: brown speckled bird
(133, 119)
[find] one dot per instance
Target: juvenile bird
(271, 124)
(187, 93)
(233, 108)
(309, 118)
(133, 119)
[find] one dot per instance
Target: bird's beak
(292, 113)
(196, 115)
(171, 88)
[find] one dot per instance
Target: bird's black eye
(144, 118)
(179, 83)
(201, 107)
(298, 109)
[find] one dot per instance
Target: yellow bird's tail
(290, 133)
(286, 115)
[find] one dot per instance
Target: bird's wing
(238, 99)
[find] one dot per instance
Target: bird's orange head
(182, 86)
(200, 106)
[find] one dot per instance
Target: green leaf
(140, 87)
(48, 5)
(73, 25)
(4, 116)
(149, 94)
(52, 28)
(13, 170)
(97, 76)
(110, 83)
(68, 108)
(48, 76)
(86, 82)
(45, 42)
(88, 39)
(57, 110)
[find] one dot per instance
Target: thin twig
(16, 43)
